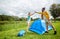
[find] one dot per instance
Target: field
(10, 29)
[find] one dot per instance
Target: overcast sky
(22, 7)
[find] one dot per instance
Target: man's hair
(43, 8)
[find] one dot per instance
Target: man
(45, 16)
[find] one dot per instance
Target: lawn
(10, 29)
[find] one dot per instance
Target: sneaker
(46, 32)
(55, 32)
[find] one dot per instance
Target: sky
(21, 8)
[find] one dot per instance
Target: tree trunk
(54, 19)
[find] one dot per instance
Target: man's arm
(38, 12)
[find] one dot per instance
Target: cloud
(22, 7)
(57, 1)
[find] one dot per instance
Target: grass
(11, 29)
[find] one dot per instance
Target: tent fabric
(39, 26)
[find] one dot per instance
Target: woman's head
(29, 13)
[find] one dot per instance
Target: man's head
(43, 9)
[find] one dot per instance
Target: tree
(58, 9)
(8, 18)
(55, 10)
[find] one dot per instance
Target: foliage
(55, 10)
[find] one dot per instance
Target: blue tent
(39, 26)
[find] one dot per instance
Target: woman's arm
(32, 14)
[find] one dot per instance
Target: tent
(21, 33)
(39, 26)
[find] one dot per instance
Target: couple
(45, 16)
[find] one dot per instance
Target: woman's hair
(29, 13)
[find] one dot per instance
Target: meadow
(10, 29)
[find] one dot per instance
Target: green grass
(11, 29)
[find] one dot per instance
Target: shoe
(46, 32)
(55, 32)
